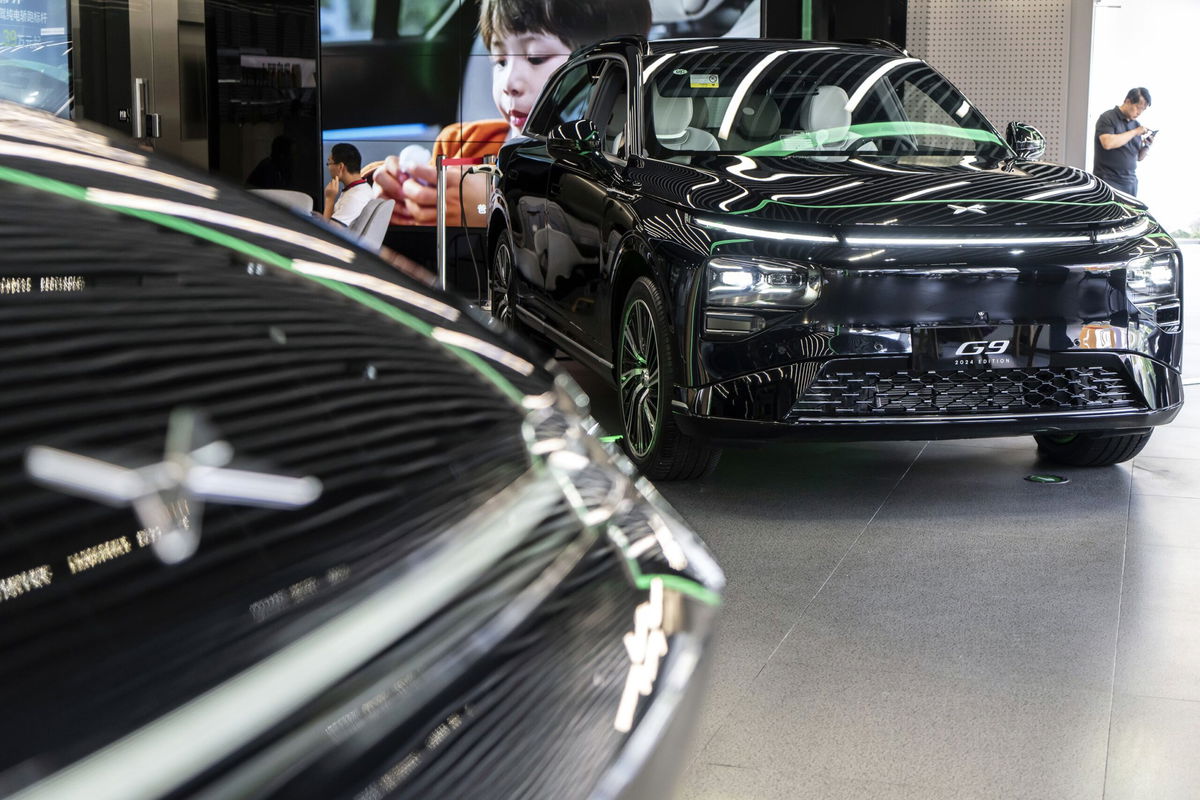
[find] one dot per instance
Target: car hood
(859, 192)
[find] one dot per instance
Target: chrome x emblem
(977, 208)
(168, 497)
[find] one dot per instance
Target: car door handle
(620, 194)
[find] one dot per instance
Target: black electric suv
(758, 239)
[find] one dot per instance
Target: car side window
(568, 99)
(611, 109)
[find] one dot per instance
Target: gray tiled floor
(915, 620)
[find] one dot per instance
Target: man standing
(1121, 142)
(345, 164)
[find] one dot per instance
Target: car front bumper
(894, 397)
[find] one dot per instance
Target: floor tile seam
(1142, 456)
(1160, 494)
(842, 560)
(1117, 642)
(1164, 546)
(1144, 696)
(725, 718)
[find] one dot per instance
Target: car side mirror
(580, 138)
(1026, 140)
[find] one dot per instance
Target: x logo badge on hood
(168, 496)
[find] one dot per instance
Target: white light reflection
(724, 204)
(692, 189)
(831, 190)
(930, 190)
(698, 49)
(873, 78)
(865, 256)
(879, 167)
(963, 109)
(926, 241)
(1125, 233)
(646, 646)
(125, 169)
(745, 162)
(742, 90)
(31, 126)
(221, 218)
(379, 286)
(767, 234)
(1087, 187)
(650, 70)
(491, 351)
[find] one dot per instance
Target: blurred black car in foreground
(757, 239)
(277, 522)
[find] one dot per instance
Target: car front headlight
(1152, 277)
(762, 283)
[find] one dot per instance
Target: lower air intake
(903, 393)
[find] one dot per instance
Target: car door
(565, 99)
(580, 195)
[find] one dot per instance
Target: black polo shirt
(1120, 162)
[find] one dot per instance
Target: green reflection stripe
(810, 140)
(715, 245)
(268, 256)
(678, 583)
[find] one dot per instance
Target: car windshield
(825, 103)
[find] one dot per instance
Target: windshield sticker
(705, 80)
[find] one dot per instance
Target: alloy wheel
(502, 308)
(639, 378)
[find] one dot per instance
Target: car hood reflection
(864, 191)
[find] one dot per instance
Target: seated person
(345, 165)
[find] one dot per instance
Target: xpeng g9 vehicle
(764, 239)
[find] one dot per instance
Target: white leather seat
(299, 202)
(827, 120)
(757, 123)
(673, 126)
(371, 225)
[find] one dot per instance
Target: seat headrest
(672, 115)
(827, 109)
(758, 118)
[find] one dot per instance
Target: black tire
(645, 373)
(1091, 448)
(501, 285)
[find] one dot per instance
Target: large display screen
(458, 77)
(34, 53)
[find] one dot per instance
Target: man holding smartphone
(1121, 142)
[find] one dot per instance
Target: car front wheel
(1091, 448)
(645, 372)
(501, 289)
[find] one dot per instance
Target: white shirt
(352, 201)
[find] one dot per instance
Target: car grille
(904, 393)
(502, 730)
(404, 437)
